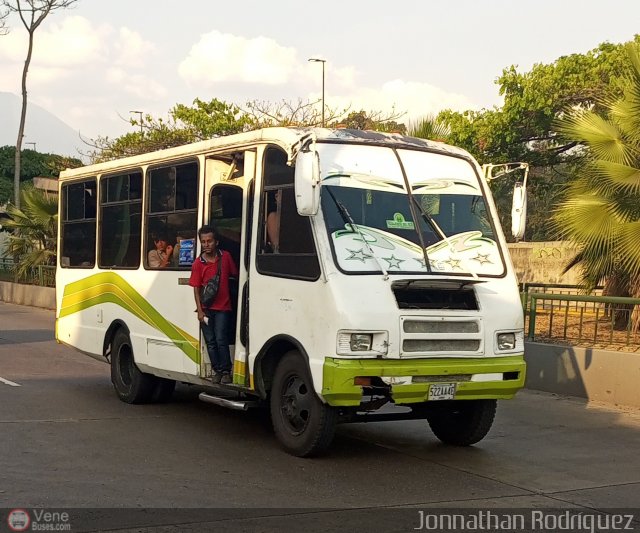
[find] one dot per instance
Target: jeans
(216, 336)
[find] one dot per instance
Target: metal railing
(596, 320)
(526, 289)
(42, 275)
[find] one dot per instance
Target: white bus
(374, 279)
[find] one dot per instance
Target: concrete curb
(599, 375)
(32, 295)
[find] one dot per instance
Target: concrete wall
(543, 262)
(600, 375)
(32, 295)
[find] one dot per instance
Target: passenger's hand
(200, 315)
(169, 250)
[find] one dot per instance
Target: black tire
(302, 423)
(163, 390)
(462, 422)
(131, 385)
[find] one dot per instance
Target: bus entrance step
(238, 405)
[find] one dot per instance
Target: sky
(97, 62)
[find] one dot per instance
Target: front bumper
(339, 389)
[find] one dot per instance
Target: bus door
(226, 209)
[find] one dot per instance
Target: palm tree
(601, 210)
(34, 229)
(431, 128)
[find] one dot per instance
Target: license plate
(442, 391)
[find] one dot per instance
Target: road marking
(10, 383)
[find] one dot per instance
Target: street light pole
(323, 61)
(140, 114)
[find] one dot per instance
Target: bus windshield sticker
(399, 222)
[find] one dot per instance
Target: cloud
(410, 98)
(136, 84)
(132, 49)
(221, 57)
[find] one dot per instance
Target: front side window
(78, 213)
(286, 246)
(120, 220)
(374, 225)
(172, 216)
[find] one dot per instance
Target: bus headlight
(359, 343)
(506, 341)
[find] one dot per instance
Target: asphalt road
(66, 441)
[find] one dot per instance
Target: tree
(34, 164)
(601, 212)
(32, 13)
(3, 22)
(206, 120)
(522, 129)
(430, 127)
(33, 230)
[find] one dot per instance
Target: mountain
(50, 134)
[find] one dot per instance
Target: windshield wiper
(348, 220)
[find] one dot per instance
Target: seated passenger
(161, 256)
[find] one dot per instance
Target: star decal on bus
(454, 263)
(394, 262)
(482, 259)
(358, 255)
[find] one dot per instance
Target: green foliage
(33, 230)
(34, 164)
(203, 120)
(6, 190)
(206, 120)
(523, 128)
(373, 120)
(430, 127)
(601, 212)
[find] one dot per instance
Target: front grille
(441, 336)
(441, 345)
(424, 326)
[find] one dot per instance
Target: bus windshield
(453, 222)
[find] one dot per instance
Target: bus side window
(78, 239)
(172, 216)
(286, 247)
(120, 220)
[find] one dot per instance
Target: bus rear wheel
(462, 422)
(302, 423)
(131, 385)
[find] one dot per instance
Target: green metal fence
(42, 275)
(584, 319)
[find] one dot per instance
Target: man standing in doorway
(215, 317)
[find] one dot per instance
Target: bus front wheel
(462, 422)
(302, 423)
(131, 385)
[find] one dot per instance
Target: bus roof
(283, 136)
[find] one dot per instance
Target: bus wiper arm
(429, 219)
(348, 220)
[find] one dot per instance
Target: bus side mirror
(307, 182)
(519, 211)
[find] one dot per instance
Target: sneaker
(226, 378)
(216, 378)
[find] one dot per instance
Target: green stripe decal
(108, 287)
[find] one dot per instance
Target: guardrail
(42, 275)
(609, 320)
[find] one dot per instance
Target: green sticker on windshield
(399, 222)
